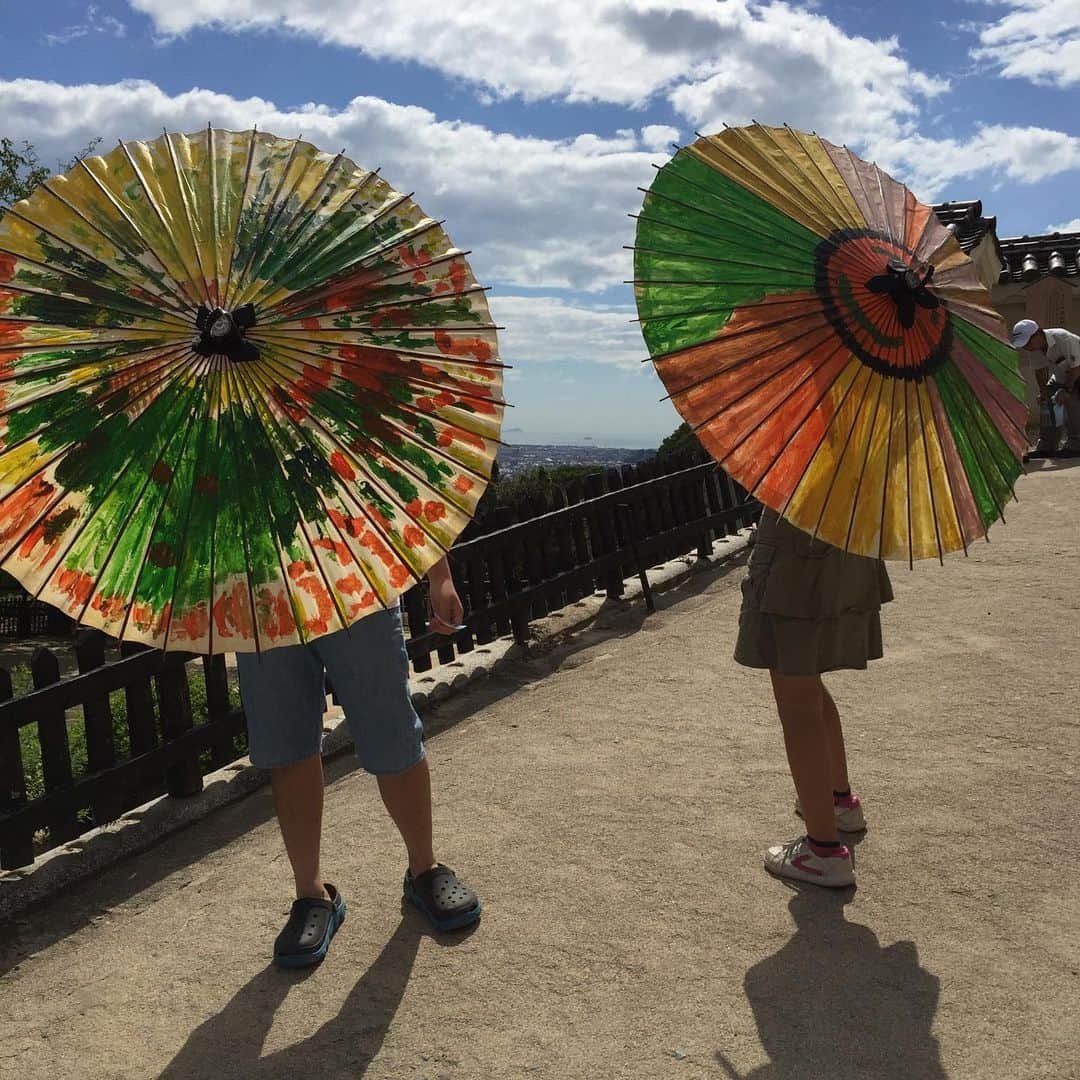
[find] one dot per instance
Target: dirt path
(610, 801)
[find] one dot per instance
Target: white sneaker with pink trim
(848, 812)
(797, 861)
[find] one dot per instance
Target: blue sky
(529, 127)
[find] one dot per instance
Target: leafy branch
(21, 170)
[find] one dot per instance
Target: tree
(681, 441)
(21, 170)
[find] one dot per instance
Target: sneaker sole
(302, 960)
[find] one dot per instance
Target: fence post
(594, 488)
(497, 570)
(184, 777)
(533, 555)
(469, 573)
(714, 500)
(579, 541)
(479, 592)
(55, 750)
(98, 724)
(562, 555)
(650, 505)
(520, 610)
(15, 851)
(642, 570)
(97, 712)
(612, 528)
(701, 508)
(218, 708)
(412, 602)
(506, 571)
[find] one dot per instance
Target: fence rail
(590, 536)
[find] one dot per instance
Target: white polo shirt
(1062, 352)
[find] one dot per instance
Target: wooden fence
(21, 616)
(592, 536)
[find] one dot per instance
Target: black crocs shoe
(312, 924)
(447, 903)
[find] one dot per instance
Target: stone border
(141, 828)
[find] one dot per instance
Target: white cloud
(1038, 40)
(792, 66)
(537, 212)
(717, 60)
(546, 328)
(658, 137)
(546, 48)
(1020, 154)
(1065, 227)
(93, 23)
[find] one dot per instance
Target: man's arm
(446, 607)
(1042, 375)
(1072, 370)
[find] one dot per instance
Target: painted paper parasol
(248, 392)
(830, 343)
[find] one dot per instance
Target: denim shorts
(284, 696)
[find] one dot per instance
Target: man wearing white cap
(1057, 373)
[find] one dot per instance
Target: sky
(531, 126)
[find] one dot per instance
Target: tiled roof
(1028, 258)
(966, 221)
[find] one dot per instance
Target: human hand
(447, 610)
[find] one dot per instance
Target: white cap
(1023, 332)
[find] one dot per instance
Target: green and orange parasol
(249, 392)
(830, 343)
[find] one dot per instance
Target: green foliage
(22, 683)
(681, 441)
(21, 170)
(540, 483)
(533, 488)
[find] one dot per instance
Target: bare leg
(407, 797)
(298, 799)
(834, 737)
(800, 703)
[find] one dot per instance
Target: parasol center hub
(913, 277)
(222, 326)
(222, 333)
(879, 297)
(906, 284)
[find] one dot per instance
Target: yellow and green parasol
(830, 343)
(249, 392)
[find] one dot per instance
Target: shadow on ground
(231, 1042)
(1052, 464)
(44, 925)
(833, 1003)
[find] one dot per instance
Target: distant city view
(517, 459)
